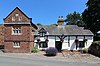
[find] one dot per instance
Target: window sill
(17, 34)
(16, 46)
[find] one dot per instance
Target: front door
(58, 45)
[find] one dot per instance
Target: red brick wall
(26, 38)
(24, 47)
(1, 35)
(9, 18)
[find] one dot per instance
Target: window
(17, 17)
(16, 14)
(16, 30)
(81, 44)
(16, 44)
(20, 18)
(42, 34)
(13, 18)
(43, 45)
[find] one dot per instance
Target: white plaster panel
(72, 43)
(51, 42)
(89, 41)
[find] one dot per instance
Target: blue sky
(42, 11)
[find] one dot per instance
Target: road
(38, 61)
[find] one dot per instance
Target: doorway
(58, 45)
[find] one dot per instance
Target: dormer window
(42, 32)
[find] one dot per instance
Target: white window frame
(16, 14)
(19, 18)
(42, 34)
(16, 44)
(16, 30)
(13, 18)
(43, 45)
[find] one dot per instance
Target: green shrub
(85, 50)
(96, 42)
(95, 48)
(35, 50)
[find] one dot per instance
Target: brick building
(18, 32)
(1, 37)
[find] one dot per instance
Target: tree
(74, 19)
(39, 24)
(91, 15)
(53, 24)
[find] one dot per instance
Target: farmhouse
(62, 37)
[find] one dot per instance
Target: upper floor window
(42, 34)
(16, 14)
(13, 18)
(16, 30)
(17, 17)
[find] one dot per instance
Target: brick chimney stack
(60, 20)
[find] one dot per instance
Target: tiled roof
(66, 30)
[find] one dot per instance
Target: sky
(42, 11)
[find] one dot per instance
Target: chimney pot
(61, 16)
(60, 20)
(58, 17)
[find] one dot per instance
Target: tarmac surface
(38, 59)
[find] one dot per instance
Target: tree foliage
(39, 24)
(53, 24)
(74, 19)
(91, 15)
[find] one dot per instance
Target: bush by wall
(85, 50)
(95, 48)
(35, 50)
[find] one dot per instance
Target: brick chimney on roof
(60, 20)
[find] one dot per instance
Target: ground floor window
(43, 45)
(16, 44)
(1, 46)
(81, 44)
